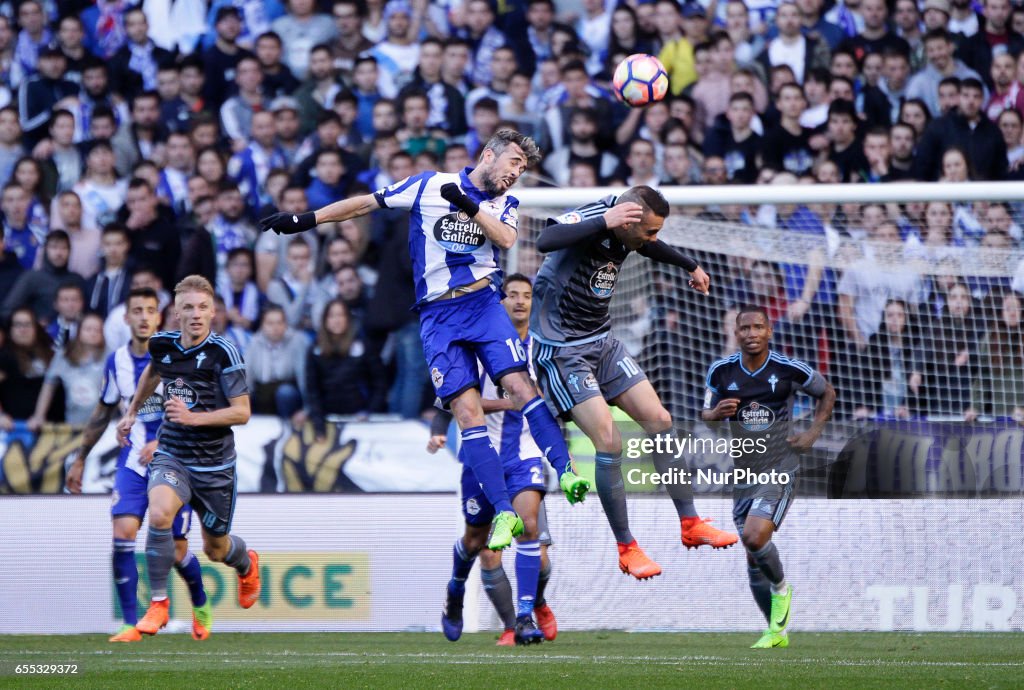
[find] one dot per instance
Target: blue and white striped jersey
(120, 380)
(448, 249)
(509, 431)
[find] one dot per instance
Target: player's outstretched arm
(101, 416)
(561, 235)
(500, 233)
(237, 412)
(148, 382)
(666, 254)
(294, 223)
(495, 406)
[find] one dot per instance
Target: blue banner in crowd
(924, 458)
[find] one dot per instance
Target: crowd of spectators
(141, 142)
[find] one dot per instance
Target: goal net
(913, 312)
(910, 308)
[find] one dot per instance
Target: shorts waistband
(464, 289)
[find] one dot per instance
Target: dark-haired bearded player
(582, 369)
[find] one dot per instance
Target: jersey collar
(760, 369)
(177, 343)
(469, 188)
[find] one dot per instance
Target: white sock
(779, 588)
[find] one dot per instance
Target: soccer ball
(640, 79)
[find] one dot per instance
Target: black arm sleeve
(562, 235)
(439, 424)
(661, 252)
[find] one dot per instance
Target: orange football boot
(249, 585)
(127, 633)
(156, 617)
(698, 532)
(546, 621)
(633, 561)
(507, 639)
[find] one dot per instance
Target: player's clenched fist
(289, 223)
(700, 281)
(623, 214)
(451, 193)
(436, 443)
(724, 409)
(73, 479)
(803, 442)
(124, 428)
(176, 411)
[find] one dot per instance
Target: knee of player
(468, 417)
(660, 422)
(755, 540)
(490, 560)
(530, 531)
(161, 517)
(215, 552)
(608, 439)
(474, 541)
(126, 532)
(520, 388)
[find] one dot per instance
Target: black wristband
(467, 205)
(451, 193)
(305, 221)
(289, 223)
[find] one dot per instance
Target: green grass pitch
(591, 660)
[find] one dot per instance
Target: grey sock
(159, 560)
(681, 494)
(238, 556)
(612, 491)
(768, 561)
(762, 591)
(542, 583)
(499, 591)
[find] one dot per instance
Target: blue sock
(126, 579)
(483, 459)
(548, 435)
(462, 563)
(527, 574)
(192, 573)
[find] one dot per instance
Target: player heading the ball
(582, 367)
(458, 223)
